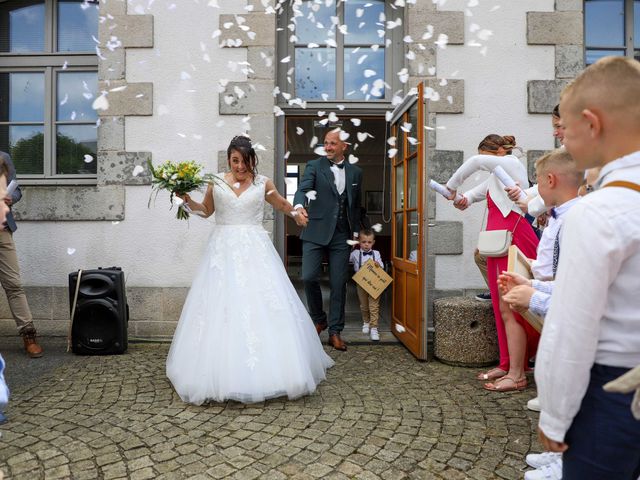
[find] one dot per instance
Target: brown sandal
(493, 374)
(515, 385)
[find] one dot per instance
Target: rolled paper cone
(506, 179)
(442, 190)
(11, 187)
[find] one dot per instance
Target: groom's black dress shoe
(320, 327)
(336, 342)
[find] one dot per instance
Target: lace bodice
(246, 209)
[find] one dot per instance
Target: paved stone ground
(380, 414)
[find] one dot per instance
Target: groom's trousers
(337, 252)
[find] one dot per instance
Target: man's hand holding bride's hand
(301, 217)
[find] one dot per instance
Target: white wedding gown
(243, 333)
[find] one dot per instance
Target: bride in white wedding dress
(243, 333)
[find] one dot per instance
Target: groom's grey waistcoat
(328, 210)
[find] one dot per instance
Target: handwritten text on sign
(372, 278)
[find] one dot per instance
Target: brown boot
(31, 345)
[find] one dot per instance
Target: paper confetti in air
(137, 170)
(88, 158)
(71, 251)
(376, 228)
(311, 194)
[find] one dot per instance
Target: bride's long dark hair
(242, 145)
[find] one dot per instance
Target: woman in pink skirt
(517, 340)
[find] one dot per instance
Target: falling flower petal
(88, 158)
(376, 228)
(356, 121)
(270, 192)
(353, 159)
(236, 185)
(137, 170)
(100, 103)
(399, 328)
(71, 251)
(299, 131)
(319, 151)
(352, 242)
(392, 152)
(311, 194)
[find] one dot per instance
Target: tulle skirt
(243, 333)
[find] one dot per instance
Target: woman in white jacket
(517, 340)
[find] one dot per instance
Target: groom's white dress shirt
(594, 315)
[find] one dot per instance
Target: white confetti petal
(64, 100)
(368, 73)
(286, 59)
(137, 170)
(356, 121)
(100, 103)
(88, 158)
(270, 192)
(319, 151)
(362, 136)
(311, 194)
(87, 95)
(392, 152)
(352, 242)
(314, 142)
(353, 159)
(392, 141)
(236, 185)
(376, 228)
(399, 328)
(71, 251)
(344, 136)
(299, 130)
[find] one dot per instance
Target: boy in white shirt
(592, 330)
(369, 306)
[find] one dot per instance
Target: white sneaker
(537, 460)
(375, 336)
(553, 471)
(534, 404)
(365, 328)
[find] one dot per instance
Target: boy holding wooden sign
(369, 305)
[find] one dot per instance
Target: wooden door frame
(422, 202)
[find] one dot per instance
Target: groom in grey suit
(333, 218)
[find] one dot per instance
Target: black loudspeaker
(102, 314)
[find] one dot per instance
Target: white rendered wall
(152, 247)
(495, 101)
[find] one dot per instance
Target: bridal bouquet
(178, 178)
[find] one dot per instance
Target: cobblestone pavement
(380, 414)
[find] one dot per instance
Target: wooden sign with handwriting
(372, 278)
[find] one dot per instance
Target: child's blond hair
(611, 84)
(559, 161)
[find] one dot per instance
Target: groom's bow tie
(370, 252)
(339, 165)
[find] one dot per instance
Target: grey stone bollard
(464, 332)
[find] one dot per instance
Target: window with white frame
(48, 82)
(340, 51)
(611, 27)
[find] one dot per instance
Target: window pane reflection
(22, 97)
(313, 22)
(363, 19)
(604, 23)
(593, 56)
(412, 181)
(22, 26)
(73, 142)
(76, 93)
(76, 25)
(315, 72)
(399, 235)
(399, 187)
(358, 63)
(412, 236)
(25, 144)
